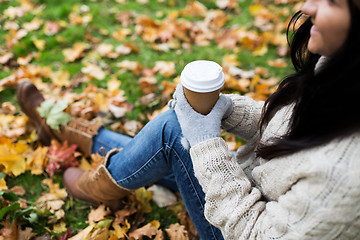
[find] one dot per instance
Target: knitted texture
(195, 126)
(312, 194)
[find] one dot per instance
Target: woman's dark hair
(326, 104)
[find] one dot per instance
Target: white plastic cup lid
(202, 76)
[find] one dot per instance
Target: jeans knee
(169, 120)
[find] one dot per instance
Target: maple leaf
(37, 161)
(60, 157)
(26, 234)
(98, 214)
(177, 231)
(54, 113)
(11, 157)
(148, 230)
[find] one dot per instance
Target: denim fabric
(156, 155)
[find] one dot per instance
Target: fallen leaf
(93, 71)
(33, 25)
(98, 214)
(39, 44)
(60, 157)
(60, 227)
(51, 28)
(83, 234)
(54, 113)
(11, 157)
(166, 69)
(144, 197)
(177, 232)
(37, 161)
(120, 231)
(26, 234)
(113, 84)
(74, 53)
(61, 78)
(148, 230)
(5, 58)
(278, 63)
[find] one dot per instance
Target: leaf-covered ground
(117, 62)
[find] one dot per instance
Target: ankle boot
(95, 186)
(78, 131)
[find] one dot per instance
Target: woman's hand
(195, 126)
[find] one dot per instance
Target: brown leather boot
(78, 131)
(95, 186)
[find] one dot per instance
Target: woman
(297, 176)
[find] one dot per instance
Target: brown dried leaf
(177, 232)
(98, 214)
(74, 53)
(148, 230)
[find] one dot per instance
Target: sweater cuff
(240, 104)
(207, 148)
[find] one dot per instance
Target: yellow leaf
(11, 156)
(84, 164)
(113, 84)
(3, 185)
(60, 227)
(61, 78)
(101, 101)
(37, 162)
(39, 44)
(144, 198)
(256, 9)
(230, 60)
(100, 234)
(54, 188)
(120, 231)
(261, 50)
(84, 234)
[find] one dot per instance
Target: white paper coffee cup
(202, 81)
(202, 76)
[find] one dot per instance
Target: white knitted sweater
(312, 194)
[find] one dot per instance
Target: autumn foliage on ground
(116, 62)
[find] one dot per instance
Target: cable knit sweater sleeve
(244, 119)
(313, 194)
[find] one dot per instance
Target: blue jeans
(156, 155)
